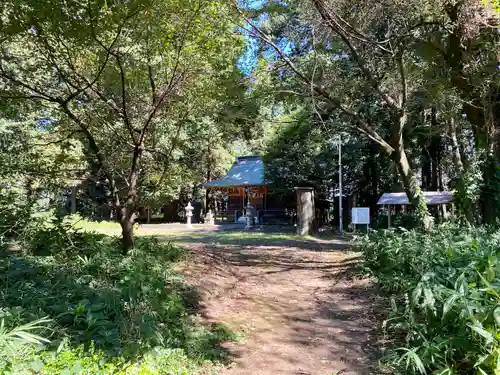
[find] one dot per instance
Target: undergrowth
(70, 303)
(444, 289)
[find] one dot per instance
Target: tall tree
(125, 77)
(364, 62)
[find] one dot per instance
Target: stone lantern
(189, 214)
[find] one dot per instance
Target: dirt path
(303, 312)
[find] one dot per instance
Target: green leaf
(479, 329)
(37, 365)
(449, 303)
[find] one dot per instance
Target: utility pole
(340, 185)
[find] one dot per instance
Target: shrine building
(242, 184)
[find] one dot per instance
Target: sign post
(361, 215)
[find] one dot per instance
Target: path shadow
(344, 316)
(345, 327)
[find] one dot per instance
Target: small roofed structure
(244, 183)
(432, 198)
(246, 171)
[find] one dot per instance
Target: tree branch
(126, 119)
(95, 148)
(360, 125)
(116, 55)
(40, 93)
(404, 84)
(59, 140)
(171, 150)
(329, 17)
(161, 96)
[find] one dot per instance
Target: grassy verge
(101, 313)
(444, 291)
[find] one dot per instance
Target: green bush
(444, 288)
(90, 361)
(406, 220)
(14, 213)
(116, 311)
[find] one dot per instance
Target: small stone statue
(189, 214)
(210, 219)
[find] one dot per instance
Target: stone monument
(210, 219)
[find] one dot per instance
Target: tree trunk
(127, 235)
(207, 192)
(489, 193)
(435, 151)
(426, 170)
(127, 211)
(406, 174)
(411, 186)
(126, 217)
(457, 155)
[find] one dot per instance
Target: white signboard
(361, 215)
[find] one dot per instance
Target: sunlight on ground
(223, 235)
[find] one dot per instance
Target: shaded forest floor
(299, 301)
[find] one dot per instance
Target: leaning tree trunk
(411, 186)
(465, 204)
(406, 174)
(456, 151)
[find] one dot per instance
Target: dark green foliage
(304, 151)
(406, 220)
(95, 298)
(445, 293)
(14, 213)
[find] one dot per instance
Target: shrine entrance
(237, 199)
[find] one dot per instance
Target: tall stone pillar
(305, 210)
(73, 199)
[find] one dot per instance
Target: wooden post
(389, 216)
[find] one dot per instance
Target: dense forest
(134, 117)
(112, 108)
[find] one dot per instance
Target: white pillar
(209, 219)
(189, 214)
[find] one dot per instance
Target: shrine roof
(246, 170)
(431, 197)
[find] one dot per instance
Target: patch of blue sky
(44, 123)
(248, 60)
(251, 4)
